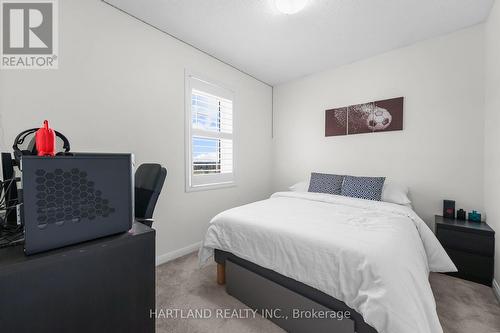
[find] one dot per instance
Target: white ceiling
(254, 37)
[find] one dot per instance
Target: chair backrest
(149, 179)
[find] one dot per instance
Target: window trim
(213, 87)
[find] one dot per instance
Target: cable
(10, 179)
(9, 234)
(4, 193)
(6, 190)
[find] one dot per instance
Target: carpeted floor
(463, 306)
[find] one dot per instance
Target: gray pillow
(325, 183)
(369, 188)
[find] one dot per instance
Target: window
(209, 135)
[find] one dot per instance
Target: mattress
(374, 256)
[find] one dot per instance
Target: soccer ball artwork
(379, 119)
(372, 117)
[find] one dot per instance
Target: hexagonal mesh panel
(65, 195)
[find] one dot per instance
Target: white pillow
(300, 186)
(395, 193)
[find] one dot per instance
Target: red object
(45, 139)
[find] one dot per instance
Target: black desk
(105, 285)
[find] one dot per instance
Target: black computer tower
(71, 199)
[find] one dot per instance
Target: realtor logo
(29, 34)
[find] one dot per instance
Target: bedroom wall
(439, 154)
(491, 130)
(120, 88)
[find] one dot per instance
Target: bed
(371, 257)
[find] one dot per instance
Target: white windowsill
(210, 187)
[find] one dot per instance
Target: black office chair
(149, 179)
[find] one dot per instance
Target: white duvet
(374, 256)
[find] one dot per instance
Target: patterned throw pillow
(325, 183)
(369, 188)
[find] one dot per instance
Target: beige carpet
(463, 306)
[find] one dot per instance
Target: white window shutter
(209, 139)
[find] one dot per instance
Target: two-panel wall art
(380, 116)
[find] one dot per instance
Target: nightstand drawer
(472, 267)
(466, 241)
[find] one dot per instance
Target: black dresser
(470, 245)
(106, 285)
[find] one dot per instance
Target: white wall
(439, 154)
(492, 130)
(120, 87)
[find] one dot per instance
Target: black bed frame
(263, 290)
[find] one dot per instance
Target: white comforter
(374, 256)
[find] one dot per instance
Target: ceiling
(254, 37)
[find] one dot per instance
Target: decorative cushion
(369, 188)
(325, 183)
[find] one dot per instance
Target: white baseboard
(496, 289)
(161, 259)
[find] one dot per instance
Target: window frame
(214, 181)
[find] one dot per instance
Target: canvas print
(380, 116)
(337, 120)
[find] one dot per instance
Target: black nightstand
(470, 245)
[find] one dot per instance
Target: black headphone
(32, 151)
